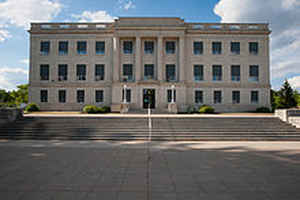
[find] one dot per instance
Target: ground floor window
(44, 96)
(235, 97)
(198, 96)
(254, 96)
(99, 96)
(62, 96)
(169, 95)
(128, 95)
(80, 96)
(217, 97)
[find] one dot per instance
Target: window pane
(169, 95)
(253, 48)
(99, 72)
(128, 95)
(235, 73)
(149, 47)
(44, 72)
(170, 47)
(63, 48)
(99, 96)
(62, 96)
(235, 47)
(80, 96)
(81, 47)
(81, 72)
(170, 73)
(198, 48)
(62, 72)
(44, 96)
(198, 72)
(217, 97)
(198, 96)
(127, 47)
(149, 72)
(216, 47)
(100, 47)
(235, 97)
(217, 72)
(253, 73)
(127, 72)
(45, 47)
(254, 96)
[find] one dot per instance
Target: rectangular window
(80, 96)
(81, 72)
(127, 47)
(198, 48)
(235, 47)
(169, 95)
(217, 72)
(149, 72)
(99, 96)
(63, 48)
(44, 96)
(148, 47)
(235, 97)
(62, 96)
(82, 47)
(198, 73)
(198, 96)
(128, 95)
(127, 72)
(217, 97)
(100, 47)
(62, 72)
(216, 48)
(99, 72)
(254, 97)
(44, 72)
(45, 48)
(170, 47)
(253, 48)
(235, 73)
(170, 73)
(253, 73)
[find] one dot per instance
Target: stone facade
(159, 31)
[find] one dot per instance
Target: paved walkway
(86, 170)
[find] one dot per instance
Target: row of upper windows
(198, 47)
(198, 96)
(170, 74)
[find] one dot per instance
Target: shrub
(263, 110)
(206, 109)
(90, 109)
(32, 107)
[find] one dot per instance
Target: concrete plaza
(84, 170)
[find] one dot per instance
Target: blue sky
(283, 16)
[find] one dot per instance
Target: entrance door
(149, 98)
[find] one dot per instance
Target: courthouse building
(149, 62)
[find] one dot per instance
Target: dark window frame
(198, 47)
(100, 47)
(235, 48)
(217, 94)
(44, 96)
(170, 76)
(128, 47)
(148, 72)
(149, 47)
(80, 96)
(216, 48)
(253, 48)
(198, 96)
(200, 76)
(254, 74)
(217, 75)
(63, 48)
(99, 72)
(62, 74)
(128, 71)
(99, 96)
(82, 47)
(252, 97)
(128, 95)
(44, 68)
(81, 73)
(62, 96)
(45, 48)
(169, 95)
(235, 75)
(236, 97)
(170, 47)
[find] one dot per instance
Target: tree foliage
(15, 97)
(286, 97)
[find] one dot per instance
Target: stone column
(181, 59)
(159, 66)
(138, 67)
(116, 59)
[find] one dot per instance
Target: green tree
(21, 94)
(286, 96)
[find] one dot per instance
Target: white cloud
(25, 61)
(98, 16)
(11, 77)
(295, 82)
(283, 16)
(126, 4)
(4, 34)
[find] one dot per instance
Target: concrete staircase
(169, 129)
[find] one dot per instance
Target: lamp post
(173, 89)
(125, 93)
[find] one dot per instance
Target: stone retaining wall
(291, 116)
